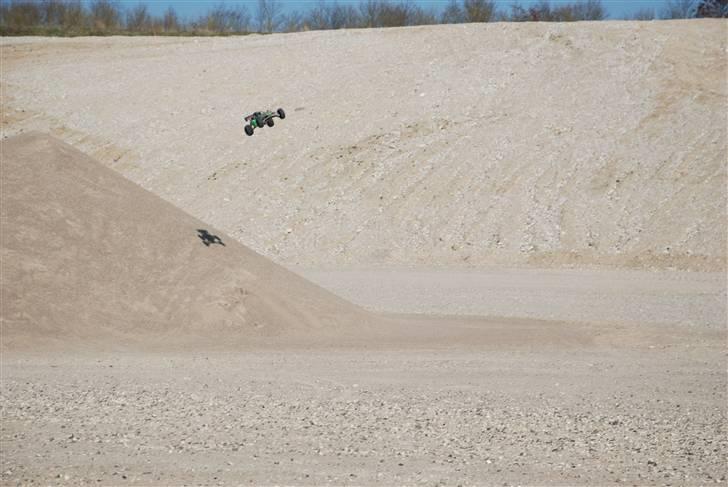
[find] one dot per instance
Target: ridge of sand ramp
(88, 256)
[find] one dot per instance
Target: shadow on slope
(91, 261)
(89, 257)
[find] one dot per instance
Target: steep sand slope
(88, 255)
(545, 144)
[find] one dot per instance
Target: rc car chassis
(261, 119)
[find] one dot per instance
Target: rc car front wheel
(270, 122)
(281, 113)
(249, 130)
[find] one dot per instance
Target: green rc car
(261, 119)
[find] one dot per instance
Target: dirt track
(630, 297)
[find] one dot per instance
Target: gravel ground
(652, 416)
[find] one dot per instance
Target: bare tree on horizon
(453, 13)
(479, 10)
(645, 14)
(678, 9)
(268, 15)
(138, 18)
(170, 22)
(105, 15)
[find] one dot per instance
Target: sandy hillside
(88, 256)
(92, 261)
(519, 144)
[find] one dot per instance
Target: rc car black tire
(249, 130)
(270, 122)
(281, 113)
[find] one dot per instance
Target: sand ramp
(92, 261)
(88, 255)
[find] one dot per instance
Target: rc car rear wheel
(249, 130)
(281, 113)
(270, 122)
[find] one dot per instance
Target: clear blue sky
(617, 9)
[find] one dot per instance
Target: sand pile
(519, 144)
(90, 260)
(88, 255)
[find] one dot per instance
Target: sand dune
(88, 255)
(519, 144)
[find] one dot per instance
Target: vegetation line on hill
(110, 17)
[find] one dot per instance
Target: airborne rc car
(261, 119)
